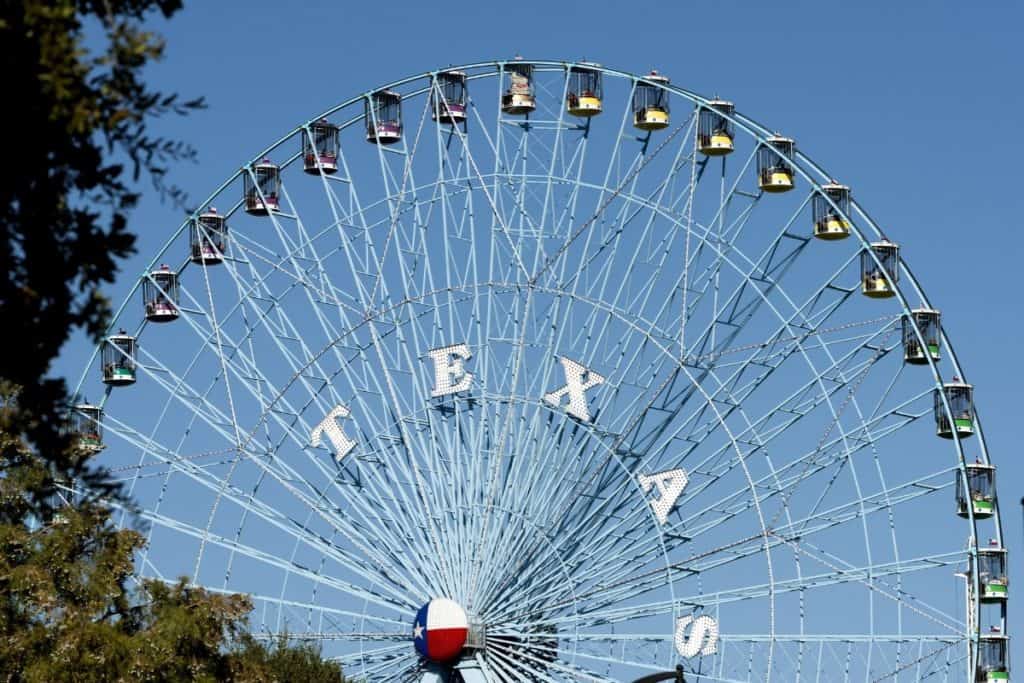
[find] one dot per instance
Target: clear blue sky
(916, 105)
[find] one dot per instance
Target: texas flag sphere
(440, 629)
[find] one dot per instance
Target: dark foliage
(78, 139)
(71, 609)
(78, 143)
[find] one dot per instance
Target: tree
(281, 660)
(78, 144)
(77, 140)
(69, 610)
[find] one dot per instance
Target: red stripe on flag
(445, 643)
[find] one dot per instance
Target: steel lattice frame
(708, 333)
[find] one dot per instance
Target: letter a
(575, 386)
(670, 486)
(450, 376)
(705, 628)
(342, 444)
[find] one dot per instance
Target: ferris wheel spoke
(602, 322)
(370, 636)
(873, 576)
(777, 348)
(474, 169)
(230, 473)
(881, 587)
(379, 660)
(396, 193)
(606, 196)
(877, 353)
(877, 350)
(420, 485)
(643, 651)
(380, 357)
(590, 542)
(792, 409)
(570, 534)
(398, 603)
(758, 278)
(609, 612)
(578, 673)
(845, 638)
(790, 413)
(167, 404)
(652, 203)
(805, 527)
(900, 493)
(798, 529)
(619, 540)
(314, 540)
(288, 477)
(353, 230)
(309, 389)
(506, 669)
(189, 398)
(728, 235)
(398, 628)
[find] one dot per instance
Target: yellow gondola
(650, 102)
(583, 97)
(830, 223)
(715, 135)
(879, 269)
(774, 164)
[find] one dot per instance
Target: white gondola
(85, 426)
(382, 114)
(980, 500)
(262, 188)
(879, 275)
(450, 98)
(928, 322)
(518, 98)
(993, 578)
(320, 148)
(650, 102)
(715, 133)
(208, 238)
(993, 666)
(775, 164)
(160, 295)
(960, 397)
(117, 359)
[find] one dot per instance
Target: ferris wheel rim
(812, 174)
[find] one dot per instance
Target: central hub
(440, 630)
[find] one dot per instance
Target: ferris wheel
(544, 371)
